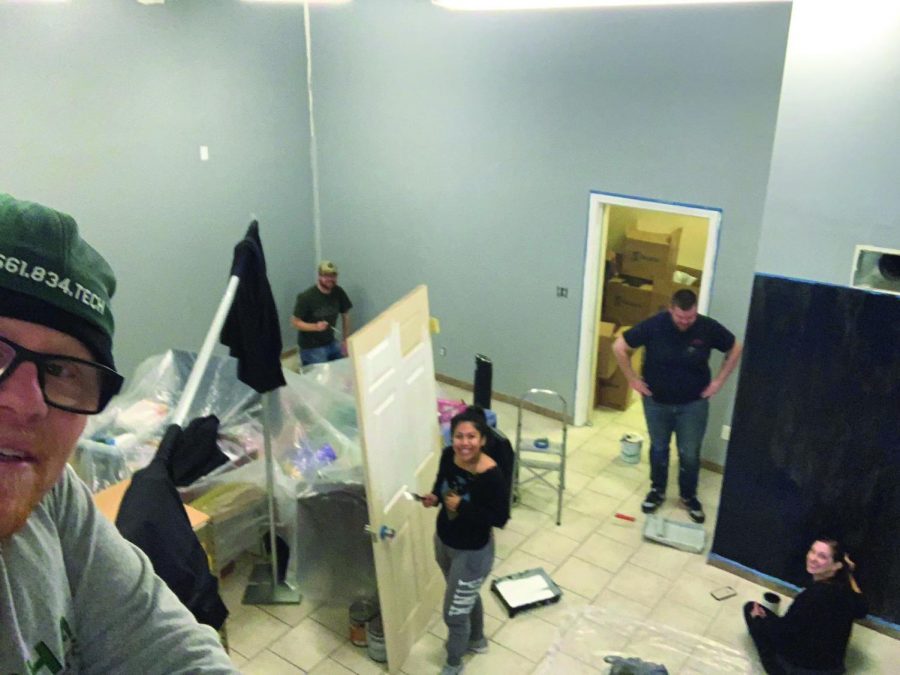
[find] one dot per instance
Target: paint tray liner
(525, 590)
(685, 536)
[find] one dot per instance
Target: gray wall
(836, 159)
(105, 105)
(456, 149)
(459, 149)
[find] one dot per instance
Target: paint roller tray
(685, 536)
(525, 590)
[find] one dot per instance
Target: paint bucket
(361, 612)
(375, 635)
(631, 448)
(772, 602)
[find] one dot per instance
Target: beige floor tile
(562, 612)
(357, 660)
(594, 504)
(615, 485)
(526, 520)
(663, 560)
(426, 657)
(604, 552)
(549, 546)
(588, 463)
(624, 531)
(576, 525)
(291, 614)
(575, 482)
(558, 663)
(250, 630)
(619, 605)
(581, 577)
(498, 660)
(728, 626)
(307, 644)
(682, 618)
(330, 667)
(872, 652)
(269, 663)
(506, 541)
(237, 658)
(334, 617)
(640, 585)
(694, 592)
(528, 635)
(519, 561)
(638, 472)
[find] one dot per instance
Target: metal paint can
(361, 612)
(375, 633)
(631, 448)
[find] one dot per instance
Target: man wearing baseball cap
(315, 316)
(74, 595)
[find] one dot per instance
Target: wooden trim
(506, 398)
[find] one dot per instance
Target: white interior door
(397, 407)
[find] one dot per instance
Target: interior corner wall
(106, 104)
(836, 158)
(458, 149)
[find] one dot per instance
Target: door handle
(381, 534)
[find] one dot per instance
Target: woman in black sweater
(812, 636)
(473, 496)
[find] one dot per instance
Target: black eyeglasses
(67, 383)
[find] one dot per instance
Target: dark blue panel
(815, 439)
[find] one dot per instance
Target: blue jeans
(324, 354)
(688, 421)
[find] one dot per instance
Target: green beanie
(51, 276)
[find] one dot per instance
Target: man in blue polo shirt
(676, 387)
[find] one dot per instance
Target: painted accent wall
(105, 106)
(836, 158)
(458, 149)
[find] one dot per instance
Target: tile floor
(597, 559)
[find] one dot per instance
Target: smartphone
(723, 593)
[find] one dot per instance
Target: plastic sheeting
(125, 436)
(589, 634)
(319, 480)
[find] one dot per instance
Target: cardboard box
(663, 290)
(650, 255)
(606, 362)
(614, 391)
(624, 304)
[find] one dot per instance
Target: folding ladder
(541, 457)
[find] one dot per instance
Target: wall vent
(876, 269)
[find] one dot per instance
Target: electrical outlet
(726, 432)
(443, 351)
(562, 292)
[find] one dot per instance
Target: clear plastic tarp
(589, 634)
(319, 484)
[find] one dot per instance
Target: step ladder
(540, 457)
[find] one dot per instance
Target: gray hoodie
(75, 597)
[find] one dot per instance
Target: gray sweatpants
(465, 572)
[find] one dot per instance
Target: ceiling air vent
(876, 269)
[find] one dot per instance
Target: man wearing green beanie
(74, 595)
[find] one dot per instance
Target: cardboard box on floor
(624, 304)
(606, 362)
(650, 255)
(664, 290)
(614, 392)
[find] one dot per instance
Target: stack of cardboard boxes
(642, 285)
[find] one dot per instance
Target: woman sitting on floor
(811, 638)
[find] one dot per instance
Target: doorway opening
(638, 253)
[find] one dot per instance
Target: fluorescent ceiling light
(298, 2)
(490, 5)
